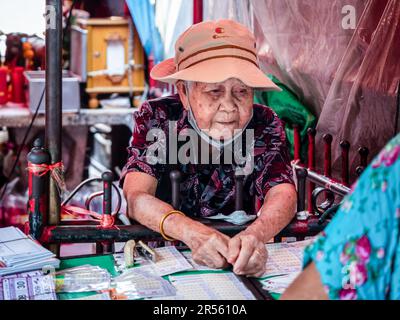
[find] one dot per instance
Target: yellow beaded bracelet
(161, 226)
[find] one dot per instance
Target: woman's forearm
(148, 211)
(276, 213)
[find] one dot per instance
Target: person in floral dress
(358, 255)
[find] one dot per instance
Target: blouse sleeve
(274, 164)
(147, 142)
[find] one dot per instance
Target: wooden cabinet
(114, 57)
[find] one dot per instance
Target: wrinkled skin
(219, 108)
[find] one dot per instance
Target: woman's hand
(209, 247)
(247, 254)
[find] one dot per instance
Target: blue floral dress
(358, 254)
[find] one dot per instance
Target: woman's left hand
(247, 254)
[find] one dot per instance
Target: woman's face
(219, 108)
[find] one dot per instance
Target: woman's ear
(180, 86)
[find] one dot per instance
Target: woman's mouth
(227, 123)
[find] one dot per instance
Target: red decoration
(219, 30)
(17, 82)
(3, 85)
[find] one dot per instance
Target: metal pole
(53, 97)
(328, 183)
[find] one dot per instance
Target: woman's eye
(215, 92)
(242, 92)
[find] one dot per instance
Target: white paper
(285, 258)
(210, 286)
(279, 284)
(29, 288)
(196, 266)
(170, 261)
(11, 233)
(20, 253)
(115, 58)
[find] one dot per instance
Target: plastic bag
(84, 278)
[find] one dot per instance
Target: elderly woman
(215, 70)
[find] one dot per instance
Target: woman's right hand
(209, 246)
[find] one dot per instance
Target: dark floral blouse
(209, 189)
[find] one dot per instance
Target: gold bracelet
(161, 226)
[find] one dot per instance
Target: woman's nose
(228, 104)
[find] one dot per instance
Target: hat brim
(213, 71)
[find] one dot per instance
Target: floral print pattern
(358, 254)
(207, 190)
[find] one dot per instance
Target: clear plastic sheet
(142, 282)
(84, 278)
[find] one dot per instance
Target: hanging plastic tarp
(361, 103)
(286, 104)
(341, 58)
(238, 10)
(143, 15)
(172, 18)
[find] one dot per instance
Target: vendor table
(75, 132)
(21, 117)
(107, 262)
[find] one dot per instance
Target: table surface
(102, 260)
(17, 117)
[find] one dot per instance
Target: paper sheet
(115, 58)
(29, 288)
(210, 286)
(20, 253)
(285, 258)
(10, 234)
(170, 261)
(197, 267)
(278, 284)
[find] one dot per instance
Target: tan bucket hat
(214, 51)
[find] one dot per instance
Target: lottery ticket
(29, 288)
(170, 261)
(278, 284)
(196, 266)
(285, 258)
(210, 286)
